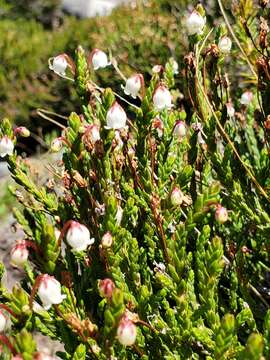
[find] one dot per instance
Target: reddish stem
(4, 340)
(7, 308)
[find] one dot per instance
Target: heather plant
(150, 240)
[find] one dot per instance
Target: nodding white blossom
(162, 98)
(78, 236)
(246, 98)
(19, 254)
(3, 321)
(195, 23)
(230, 109)
(221, 214)
(6, 146)
(106, 288)
(225, 45)
(180, 129)
(177, 196)
(99, 59)
(175, 67)
(126, 332)
(116, 117)
(56, 144)
(59, 64)
(107, 240)
(49, 291)
(134, 85)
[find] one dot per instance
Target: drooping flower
(126, 332)
(99, 59)
(94, 133)
(246, 98)
(221, 214)
(19, 254)
(225, 45)
(180, 129)
(3, 321)
(78, 236)
(156, 69)
(6, 146)
(59, 64)
(195, 23)
(162, 98)
(116, 117)
(134, 85)
(49, 291)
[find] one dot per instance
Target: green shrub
(164, 244)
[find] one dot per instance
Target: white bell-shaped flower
(99, 59)
(175, 67)
(116, 117)
(246, 98)
(19, 254)
(49, 291)
(162, 98)
(180, 129)
(126, 332)
(59, 64)
(78, 236)
(3, 321)
(195, 23)
(225, 45)
(6, 146)
(134, 85)
(57, 144)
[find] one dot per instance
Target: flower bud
(134, 85)
(59, 65)
(156, 69)
(94, 132)
(246, 98)
(177, 197)
(107, 240)
(175, 67)
(49, 291)
(162, 98)
(106, 288)
(221, 214)
(99, 59)
(195, 23)
(119, 215)
(19, 254)
(159, 126)
(22, 131)
(116, 117)
(3, 321)
(78, 236)
(180, 129)
(6, 146)
(57, 144)
(230, 109)
(225, 45)
(126, 332)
